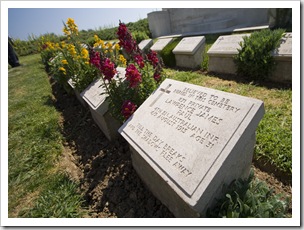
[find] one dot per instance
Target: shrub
(255, 59)
(138, 36)
(250, 199)
(167, 55)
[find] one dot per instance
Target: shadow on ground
(108, 181)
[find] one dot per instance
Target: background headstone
(189, 52)
(160, 44)
(96, 98)
(222, 52)
(188, 141)
(145, 45)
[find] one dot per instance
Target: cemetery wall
(181, 21)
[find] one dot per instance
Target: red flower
(133, 76)
(157, 76)
(139, 60)
(95, 59)
(152, 57)
(125, 38)
(128, 108)
(108, 69)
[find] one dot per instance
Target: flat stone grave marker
(222, 52)
(189, 52)
(187, 141)
(145, 45)
(95, 96)
(283, 59)
(160, 44)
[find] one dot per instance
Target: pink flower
(128, 108)
(139, 60)
(108, 69)
(133, 76)
(152, 57)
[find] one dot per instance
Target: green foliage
(255, 59)
(138, 36)
(250, 199)
(167, 55)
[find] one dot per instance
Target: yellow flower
(85, 53)
(63, 44)
(65, 62)
(63, 70)
(72, 50)
(122, 59)
(117, 47)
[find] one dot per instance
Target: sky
(23, 22)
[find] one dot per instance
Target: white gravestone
(189, 52)
(188, 141)
(283, 59)
(145, 45)
(96, 98)
(160, 44)
(76, 92)
(222, 52)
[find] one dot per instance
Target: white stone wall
(179, 21)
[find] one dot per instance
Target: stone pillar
(159, 23)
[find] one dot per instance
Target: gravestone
(96, 98)
(283, 59)
(160, 44)
(76, 92)
(189, 52)
(188, 141)
(145, 45)
(222, 52)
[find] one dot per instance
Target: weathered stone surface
(95, 96)
(189, 52)
(77, 93)
(145, 45)
(160, 44)
(222, 52)
(283, 59)
(188, 141)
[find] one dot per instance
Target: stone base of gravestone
(188, 141)
(283, 59)
(222, 64)
(282, 71)
(77, 93)
(189, 52)
(107, 123)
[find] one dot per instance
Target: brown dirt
(108, 182)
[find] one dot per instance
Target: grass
(274, 134)
(34, 147)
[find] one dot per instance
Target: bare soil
(104, 171)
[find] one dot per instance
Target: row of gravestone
(186, 141)
(189, 54)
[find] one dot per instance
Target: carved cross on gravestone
(162, 92)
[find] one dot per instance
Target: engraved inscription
(184, 129)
